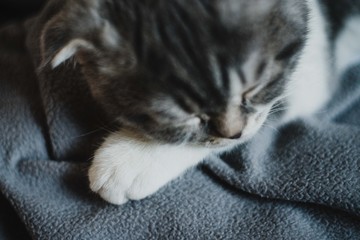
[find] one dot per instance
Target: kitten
(188, 78)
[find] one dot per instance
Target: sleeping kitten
(188, 78)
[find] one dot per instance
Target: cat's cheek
(254, 125)
(126, 169)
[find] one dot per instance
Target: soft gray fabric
(298, 182)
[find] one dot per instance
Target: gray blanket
(298, 182)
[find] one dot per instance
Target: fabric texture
(301, 181)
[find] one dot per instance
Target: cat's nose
(229, 135)
(236, 136)
(228, 124)
(230, 132)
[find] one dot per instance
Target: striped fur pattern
(187, 78)
(203, 72)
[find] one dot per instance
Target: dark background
(18, 9)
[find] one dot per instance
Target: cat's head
(200, 71)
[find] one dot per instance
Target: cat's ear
(70, 50)
(73, 36)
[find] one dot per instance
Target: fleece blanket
(300, 181)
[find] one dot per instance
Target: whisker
(271, 127)
(277, 110)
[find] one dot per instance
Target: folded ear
(70, 50)
(77, 31)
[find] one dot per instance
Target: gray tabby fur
(187, 78)
(143, 58)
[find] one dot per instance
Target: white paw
(125, 170)
(123, 177)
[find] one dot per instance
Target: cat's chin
(225, 145)
(221, 145)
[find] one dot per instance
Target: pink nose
(228, 135)
(233, 132)
(229, 124)
(236, 136)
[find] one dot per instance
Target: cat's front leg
(126, 167)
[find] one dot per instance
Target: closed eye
(201, 119)
(193, 121)
(289, 51)
(247, 107)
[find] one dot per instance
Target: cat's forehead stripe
(216, 71)
(250, 65)
(235, 86)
